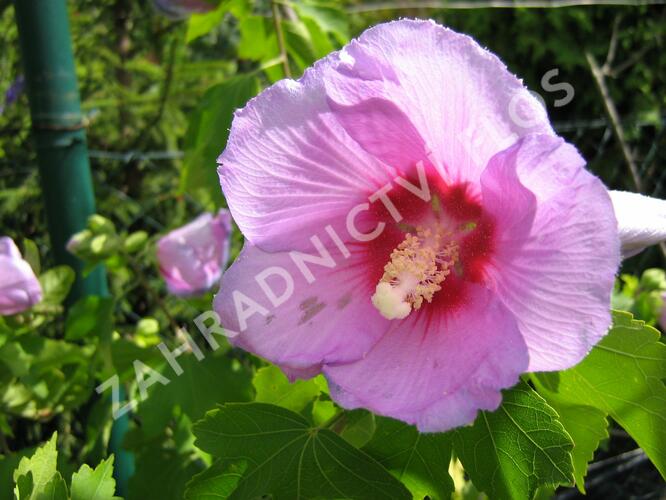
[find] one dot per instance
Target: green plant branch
(280, 38)
(613, 115)
(164, 97)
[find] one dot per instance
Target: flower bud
(19, 287)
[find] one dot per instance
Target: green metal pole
(58, 131)
(62, 153)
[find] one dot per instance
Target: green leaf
(207, 136)
(91, 316)
(329, 17)
(357, 427)
(8, 464)
(587, 427)
(41, 466)
(202, 24)
(258, 41)
(512, 451)
(199, 388)
(419, 461)
(322, 383)
(288, 459)
(161, 474)
(5, 332)
(653, 279)
(464, 488)
(97, 484)
(217, 482)
(648, 306)
(55, 489)
(5, 428)
(97, 430)
(299, 43)
(622, 376)
(125, 352)
(57, 378)
(56, 283)
(15, 359)
(31, 255)
(320, 42)
(273, 387)
(323, 411)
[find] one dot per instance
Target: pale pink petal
(437, 371)
(331, 320)
(641, 221)
(19, 287)
(511, 204)
(383, 130)
(289, 165)
(460, 98)
(9, 249)
(192, 258)
(556, 278)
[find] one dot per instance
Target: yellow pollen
(415, 272)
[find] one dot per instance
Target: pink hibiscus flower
(19, 287)
(414, 229)
(192, 258)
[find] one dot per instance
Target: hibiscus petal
(9, 249)
(512, 204)
(19, 287)
(289, 165)
(641, 221)
(192, 257)
(383, 130)
(556, 278)
(330, 320)
(437, 372)
(461, 98)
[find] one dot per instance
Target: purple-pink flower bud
(19, 287)
(192, 258)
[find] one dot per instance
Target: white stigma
(390, 300)
(417, 268)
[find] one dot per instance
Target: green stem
(277, 22)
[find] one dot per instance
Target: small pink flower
(192, 258)
(19, 287)
(179, 9)
(414, 229)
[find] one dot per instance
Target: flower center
(417, 268)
